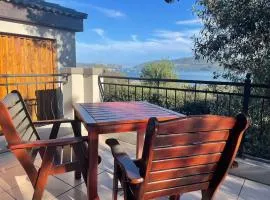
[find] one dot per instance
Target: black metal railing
(41, 92)
(193, 97)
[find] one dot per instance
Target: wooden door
(26, 56)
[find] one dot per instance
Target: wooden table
(115, 117)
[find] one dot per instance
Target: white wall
(66, 46)
(82, 87)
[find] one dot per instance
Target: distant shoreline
(186, 69)
(185, 75)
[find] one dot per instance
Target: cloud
(109, 12)
(161, 44)
(99, 31)
(189, 22)
(112, 13)
(177, 36)
(170, 35)
(162, 40)
(134, 37)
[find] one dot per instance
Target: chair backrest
(15, 120)
(189, 154)
(49, 104)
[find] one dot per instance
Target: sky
(134, 31)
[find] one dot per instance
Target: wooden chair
(58, 155)
(179, 156)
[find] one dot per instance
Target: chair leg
(208, 194)
(115, 181)
(175, 197)
(76, 127)
(55, 130)
(82, 170)
(43, 174)
(39, 188)
(78, 174)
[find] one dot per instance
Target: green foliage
(159, 70)
(236, 34)
(195, 108)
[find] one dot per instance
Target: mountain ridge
(186, 63)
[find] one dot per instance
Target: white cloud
(169, 35)
(99, 31)
(134, 37)
(85, 7)
(162, 40)
(162, 44)
(189, 22)
(178, 36)
(109, 12)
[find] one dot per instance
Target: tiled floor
(14, 184)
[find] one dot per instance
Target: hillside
(105, 66)
(190, 64)
(182, 65)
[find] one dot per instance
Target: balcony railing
(41, 92)
(193, 97)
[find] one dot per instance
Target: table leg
(76, 126)
(140, 142)
(92, 178)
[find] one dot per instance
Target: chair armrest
(47, 122)
(49, 143)
(130, 169)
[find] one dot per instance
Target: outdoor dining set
(176, 154)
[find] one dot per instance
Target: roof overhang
(42, 13)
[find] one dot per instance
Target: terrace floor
(14, 184)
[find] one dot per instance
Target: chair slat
(21, 121)
(171, 183)
(58, 155)
(11, 100)
(16, 113)
(24, 129)
(18, 123)
(182, 151)
(32, 136)
(181, 172)
(190, 138)
(176, 190)
(197, 124)
(185, 161)
(66, 154)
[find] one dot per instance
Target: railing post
(246, 97)
(247, 90)
(128, 91)
(101, 88)
(158, 83)
(7, 84)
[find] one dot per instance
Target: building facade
(37, 36)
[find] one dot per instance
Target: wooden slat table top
(109, 113)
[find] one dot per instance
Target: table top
(109, 113)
